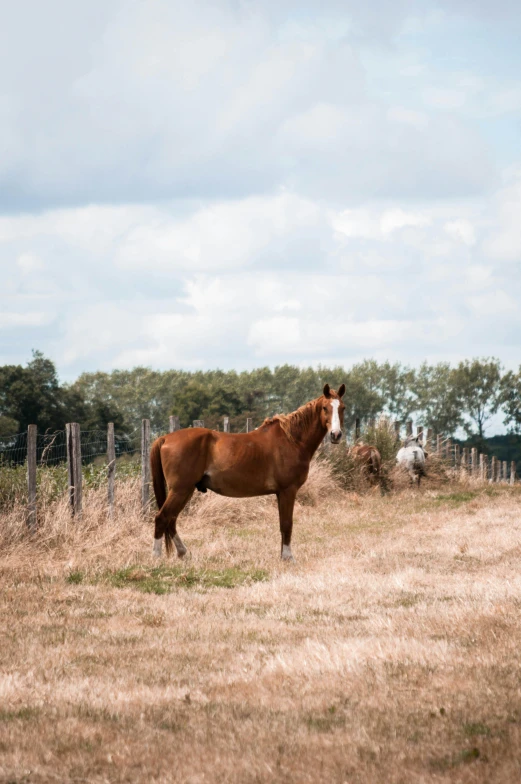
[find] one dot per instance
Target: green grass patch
(22, 714)
(455, 499)
(476, 728)
(75, 578)
(165, 579)
(463, 757)
(326, 722)
(408, 599)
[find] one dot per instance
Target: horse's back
(411, 457)
(369, 456)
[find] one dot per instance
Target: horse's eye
(325, 408)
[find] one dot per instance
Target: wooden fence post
(249, 424)
(457, 459)
(482, 467)
(357, 429)
(465, 459)
(448, 449)
(70, 465)
(419, 432)
(198, 422)
(474, 461)
(111, 467)
(173, 422)
(439, 442)
(512, 472)
(145, 464)
(72, 430)
(498, 470)
(429, 437)
(226, 425)
(397, 430)
(408, 428)
(31, 477)
(505, 471)
(493, 461)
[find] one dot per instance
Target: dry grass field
(391, 652)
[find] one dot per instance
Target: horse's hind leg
(165, 522)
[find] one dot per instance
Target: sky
(242, 183)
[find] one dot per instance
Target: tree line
(439, 395)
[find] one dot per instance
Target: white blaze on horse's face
(336, 429)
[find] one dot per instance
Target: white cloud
(160, 100)
(492, 303)
(392, 220)
(29, 262)
(11, 320)
(398, 114)
(462, 230)
(444, 98)
(272, 337)
(225, 235)
(504, 238)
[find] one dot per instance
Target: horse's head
(332, 412)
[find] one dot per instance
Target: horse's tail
(158, 477)
(376, 462)
(158, 481)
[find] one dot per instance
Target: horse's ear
(326, 390)
(341, 390)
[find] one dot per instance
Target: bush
(349, 473)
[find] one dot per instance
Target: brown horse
(274, 459)
(370, 461)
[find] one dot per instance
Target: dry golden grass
(389, 653)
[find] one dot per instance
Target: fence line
(80, 447)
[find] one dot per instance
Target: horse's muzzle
(336, 437)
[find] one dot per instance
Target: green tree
(511, 399)
(32, 394)
(207, 402)
(360, 401)
(393, 383)
(8, 426)
(438, 398)
(478, 383)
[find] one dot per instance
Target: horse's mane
(295, 425)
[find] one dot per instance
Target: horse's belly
(235, 485)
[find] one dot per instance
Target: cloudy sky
(238, 183)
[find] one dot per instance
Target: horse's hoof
(286, 553)
(182, 553)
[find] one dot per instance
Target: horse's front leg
(286, 501)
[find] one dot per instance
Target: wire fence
(46, 465)
(51, 448)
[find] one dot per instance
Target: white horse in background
(411, 457)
